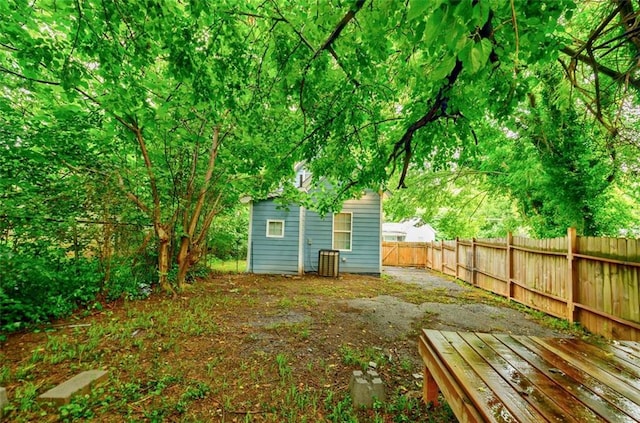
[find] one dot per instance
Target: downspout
(301, 240)
(250, 240)
(380, 196)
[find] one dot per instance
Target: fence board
(406, 254)
(596, 284)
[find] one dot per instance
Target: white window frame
(333, 232)
(269, 221)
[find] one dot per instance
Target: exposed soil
(253, 348)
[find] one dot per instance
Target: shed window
(275, 228)
(342, 224)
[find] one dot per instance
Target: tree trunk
(164, 259)
(192, 257)
(183, 261)
(106, 253)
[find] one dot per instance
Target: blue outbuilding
(292, 239)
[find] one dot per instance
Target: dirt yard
(254, 348)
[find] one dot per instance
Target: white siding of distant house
(408, 232)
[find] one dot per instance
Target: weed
(37, 355)
(353, 357)
(131, 391)
(24, 372)
(302, 400)
(350, 356)
(26, 396)
(60, 349)
(340, 411)
(285, 303)
(5, 374)
(78, 408)
(199, 391)
(284, 369)
(212, 364)
(157, 414)
(406, 364)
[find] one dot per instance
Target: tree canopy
(157, 116)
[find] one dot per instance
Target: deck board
(503, 378)
(600, 397)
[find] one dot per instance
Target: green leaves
(443, 68)
(474, 56)
(418, 8)
(280, 86)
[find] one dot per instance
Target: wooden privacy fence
(594, 281)
(404, 254)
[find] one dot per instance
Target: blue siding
(280, 255)
(364, 256)
(274, 255)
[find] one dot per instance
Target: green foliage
(339, 410)
(456, 204)
(229, 234)
(40, 283)
(284, 367)
(131, 281)
(78, 408)
(114, 124)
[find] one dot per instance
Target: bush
(131, 280)
(40, 283)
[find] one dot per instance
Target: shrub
(40, 283)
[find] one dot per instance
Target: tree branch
(403, 146)
(39, 81)
(339, 28)
(619, 77)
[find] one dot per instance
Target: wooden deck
(503, 378)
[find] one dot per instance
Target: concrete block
(4, 401)
(377, 389)
(79, 384)
(360, 394)
(365, 388)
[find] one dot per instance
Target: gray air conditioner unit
(329, 263)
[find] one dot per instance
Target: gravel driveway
(455, 308)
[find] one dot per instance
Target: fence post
(456, 260)
(572, 279)
(473, 261)
(433, 249)
(426, 255)
(442, 256)
(509, 269)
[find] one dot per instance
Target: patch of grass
(420, 296)
(301, 330)
(26, 395)
(78, 408)
(285, 303)
(425, 321)
(24, 372)
(339, 410)
(284, 368)
(299, 401)
(227, 266)
(561, 325)
(5, 374)
(350, 356)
